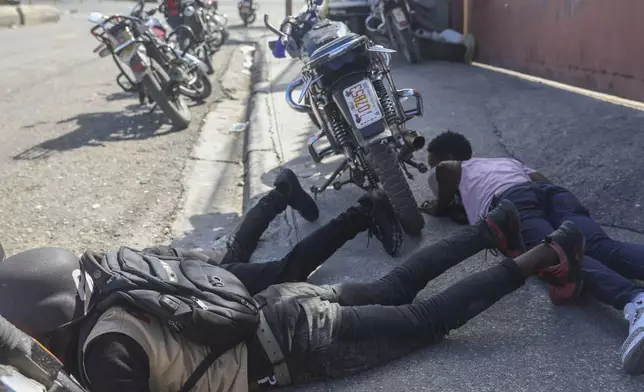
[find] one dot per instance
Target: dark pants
(335, 331)
(305, 257)
(609, 265)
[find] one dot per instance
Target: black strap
(199, 372)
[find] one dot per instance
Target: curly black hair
(450, 143)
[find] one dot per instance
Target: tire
(245, 20)
(203, 87)
(251, 19)
(406, 43)
(176, 110)
(383, 160)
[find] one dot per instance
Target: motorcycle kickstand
(341, 168)
(403, 164)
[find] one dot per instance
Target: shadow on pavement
(207, 229)
(94, 129)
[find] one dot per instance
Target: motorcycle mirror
(278, 49)
(95, 17)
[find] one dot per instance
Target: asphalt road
(82, 167)
(82, 164)
(523, 343)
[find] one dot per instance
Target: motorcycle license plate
(399, 17)
(127, 53)
(363, 104)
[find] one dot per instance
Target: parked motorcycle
(197, 85)
(208, 29)
(136, 52)
(347, 86)
(247, 11)
(394, 20)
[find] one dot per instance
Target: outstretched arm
(444, 184)
(115, 362)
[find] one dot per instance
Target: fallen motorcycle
(134, 50)
(346, 84)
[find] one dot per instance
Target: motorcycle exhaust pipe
(414, 140)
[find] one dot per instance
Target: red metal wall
(594, 44)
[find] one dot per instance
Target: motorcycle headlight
(189, 11)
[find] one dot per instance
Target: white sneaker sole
(633, 352)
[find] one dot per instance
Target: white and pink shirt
(482, 179)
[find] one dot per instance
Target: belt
(501, 193)
(273, 351)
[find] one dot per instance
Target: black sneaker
(505, 226)
(385, 225)
(565, 279)
(289, 186)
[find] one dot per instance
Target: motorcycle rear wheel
(382, 158)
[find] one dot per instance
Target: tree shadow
(94, 129)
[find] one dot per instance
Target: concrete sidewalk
(523, 343)
(28, 15)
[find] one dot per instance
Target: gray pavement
(82, 164)
(523, 343)
(83, 167)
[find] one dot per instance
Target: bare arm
(448, 176)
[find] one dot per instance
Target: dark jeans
(609, 265)
(368, 324)
(305, 257)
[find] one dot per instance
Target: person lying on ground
(335, 330)
(610, 266)
(373, 214)
(57, 300)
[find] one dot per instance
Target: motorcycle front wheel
(383, 160)
(200, 89)
(175, 108)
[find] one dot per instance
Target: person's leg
(368, 336)
(373, 212)
(498, 230)
(625, 258)
(609, 266)
(288, 192)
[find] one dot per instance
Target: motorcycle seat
(333, 45)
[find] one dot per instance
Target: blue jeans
(609, 265)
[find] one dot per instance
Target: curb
(259, 155)
(28, 15)
(10, 16)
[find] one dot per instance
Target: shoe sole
(578, 287)
(500, 235)
(633, 352)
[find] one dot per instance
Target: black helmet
(38, 293)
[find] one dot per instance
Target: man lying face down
(610, 267)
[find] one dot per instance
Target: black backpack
(200, 301)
